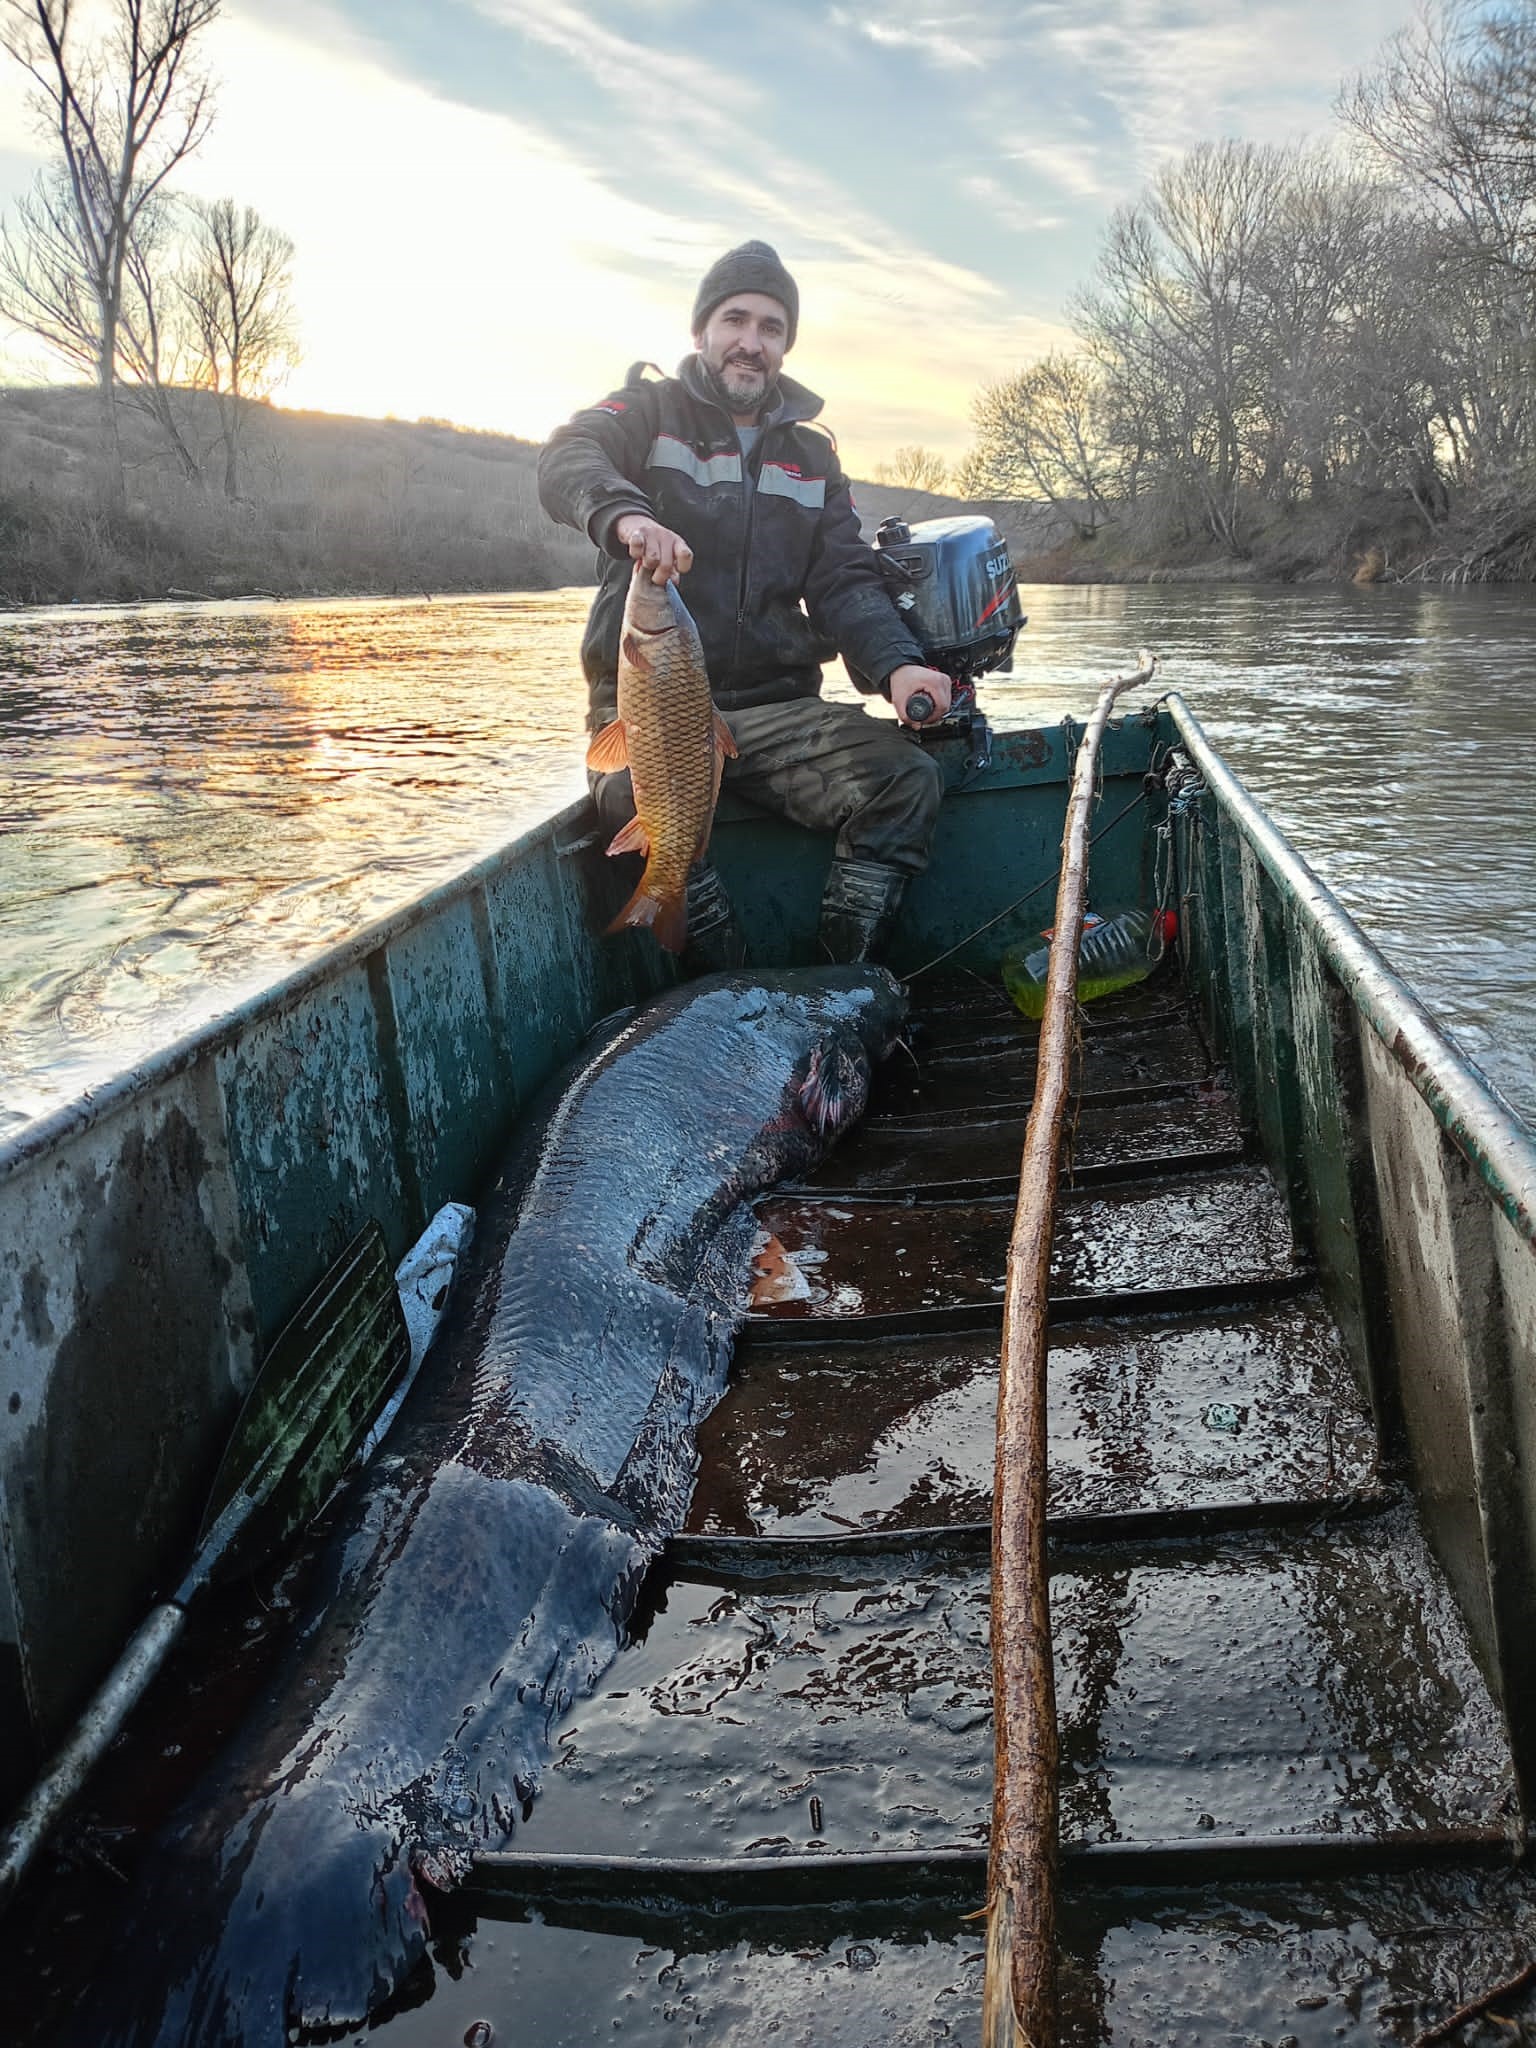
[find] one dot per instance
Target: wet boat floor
(1286, 1800)
(1371, 1959)
(771, 1820)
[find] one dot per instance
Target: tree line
(1336, 342)
(148, 293)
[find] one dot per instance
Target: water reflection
(192, 798)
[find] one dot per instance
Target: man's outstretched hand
(911, 681)
(660, 551)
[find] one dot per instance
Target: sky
(499, 205)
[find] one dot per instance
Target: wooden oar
(311, 1405)
(1019, 2001)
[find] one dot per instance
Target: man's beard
(738, 388)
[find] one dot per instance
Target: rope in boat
(1019, 1997)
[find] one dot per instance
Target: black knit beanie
(754, 267)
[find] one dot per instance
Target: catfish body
(483, 1576)
(674, 743)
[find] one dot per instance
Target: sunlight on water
(192, 799)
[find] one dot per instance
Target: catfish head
(860, 1012)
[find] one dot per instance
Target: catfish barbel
(483, 1576)
(674, 743)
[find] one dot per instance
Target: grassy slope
(328, 504)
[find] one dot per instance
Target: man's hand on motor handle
(912, 681)
(660, 551)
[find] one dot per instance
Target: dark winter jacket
(781, 579)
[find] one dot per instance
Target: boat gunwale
(1476, 1119)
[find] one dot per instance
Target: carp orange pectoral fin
(633, 839)
(724, 743)
(608, 750)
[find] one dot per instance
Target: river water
(193, 799)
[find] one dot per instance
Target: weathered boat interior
(1293, 1368)
(1286, 1799)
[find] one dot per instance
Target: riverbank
(1355, 540)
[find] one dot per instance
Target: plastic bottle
(1114, 953)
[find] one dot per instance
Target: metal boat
(1292, 1448)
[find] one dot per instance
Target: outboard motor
(957, 593)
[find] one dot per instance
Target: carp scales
(481, 1576)
(674, 743)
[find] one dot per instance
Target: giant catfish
(483, 1577)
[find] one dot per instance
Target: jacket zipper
(749, 477)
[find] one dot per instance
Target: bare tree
(1318, 270)
(1452, 109)
(125, 110)
(44, 288)
(235, 286)
(43, 285)
(914, 469)
(1451, 112)
(1172, 316)
(1269, 328)
(1041, 434)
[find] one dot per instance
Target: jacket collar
(787, 401)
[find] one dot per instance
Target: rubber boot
(858, 910)
(715, 943)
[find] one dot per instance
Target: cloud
(1154, 76)
(661, 87)
(958, 39)
(459, 261)
(1007, 207)
(441, 265)
(1072, 167)
(1262, 71)
(938, 46)
(711, 141)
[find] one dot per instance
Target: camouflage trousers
(828, 767)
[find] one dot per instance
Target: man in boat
(717, 477)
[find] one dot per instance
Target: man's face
(742, 345)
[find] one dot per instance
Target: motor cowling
(955, 590)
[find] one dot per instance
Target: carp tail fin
(664, 917)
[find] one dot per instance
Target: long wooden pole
(1019, 2002)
